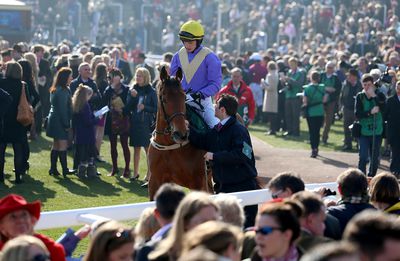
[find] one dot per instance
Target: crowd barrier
(75, 217)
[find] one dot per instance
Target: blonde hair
(87, 57)
(213, 235)
(272, 66)
(17, 249)
(146, 76)
(109, 237)
(190, 205)
(13, 70)
(146, 227)
(106, 59)
(95, 61)
(31, 57)
(79, 99)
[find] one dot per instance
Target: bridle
(167, 130)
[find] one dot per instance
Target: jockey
(201, 68)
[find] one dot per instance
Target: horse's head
(172, 106)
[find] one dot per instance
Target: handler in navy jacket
(230, 152)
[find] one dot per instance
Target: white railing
(74, 217)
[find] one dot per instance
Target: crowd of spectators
(294, 225)
(255, 25)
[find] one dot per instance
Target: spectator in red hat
(18, 217)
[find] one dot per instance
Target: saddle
(195, 120)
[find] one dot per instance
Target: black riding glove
(196, 96)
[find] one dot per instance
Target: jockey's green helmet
(191, 31)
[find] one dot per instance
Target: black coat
(13, 131)
(392, 115)
(126, 70)
(107, 98)
(5, 101)
(95, 101)
(44, 70)
(346, 211)
(232, 169)
(142, 121)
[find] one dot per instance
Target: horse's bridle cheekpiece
(168, 119)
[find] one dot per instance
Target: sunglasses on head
(266, 230)
(121, 234)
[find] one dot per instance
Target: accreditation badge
(247, 150)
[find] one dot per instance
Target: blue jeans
(370, 154)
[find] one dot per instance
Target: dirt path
(325, 168)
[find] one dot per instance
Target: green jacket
(370, 124)
(315, 95)
(296, 82)
(60, 114)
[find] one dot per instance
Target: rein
(168, 119)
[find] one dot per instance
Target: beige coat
(270, 85)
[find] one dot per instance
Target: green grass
(335, 141)
(58, 193)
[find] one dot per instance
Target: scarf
(354, 199)
(292, 254)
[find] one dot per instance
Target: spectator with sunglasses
(277, 229)
(285, 184)
(25, 248)
(112, 241)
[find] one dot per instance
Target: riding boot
(82, 168)
(92, 171)
(53, 163)
(63, 161)
(18, 179)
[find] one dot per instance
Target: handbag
(119, 123)
(25, 110)
(355, 129)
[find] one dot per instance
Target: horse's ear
(179, 74)
(163, 74)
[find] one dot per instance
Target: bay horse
(171, 157)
